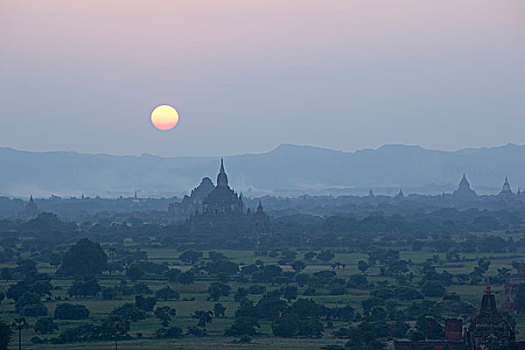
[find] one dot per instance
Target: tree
(362, 266)
(165, 314)
(286, 326)
(84, 288)
(115, 327)
(290, 293)
(242, 326)
(30, 305)
(325, 256)
(173, 275)
(45, 325)
(190, 256)
(219, 310)
(145, 303)
(85, 258)
(167, 293)
(345, 314)
(433, 289)
(129, 312)
(135, 272)
(55, 259)
(6, 274)
(214, 256)
(203, 317)
(399, 329)
(267, 273)
(309, 255)
(166, 333)
(66, 311)
(357, 281)
(240, 294)
(217, 290)
(26, 266)
(429, 327)
(5, 335)
(142, 288)
(224, 266)
(187, 277)
(36, 283)
(298, 266)
(270, 307)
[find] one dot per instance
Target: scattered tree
(165, 314)
(85, 258)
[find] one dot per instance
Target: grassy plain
(143, 331)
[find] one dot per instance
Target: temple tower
(506, 191)
(222, 178)
(464, 190)
(31, 208)
(489, 328)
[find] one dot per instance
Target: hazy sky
(248, 75)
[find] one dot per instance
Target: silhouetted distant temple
(506, 191)
(222, 200)
(465, 193)
(31, 208)
(464, 190)
(216, 206)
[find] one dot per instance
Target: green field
(143, 331)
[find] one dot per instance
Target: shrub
(68, 311)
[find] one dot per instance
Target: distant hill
(286, 170)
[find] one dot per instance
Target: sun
(164, 117)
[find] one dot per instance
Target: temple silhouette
(219, 206)
(489, 328)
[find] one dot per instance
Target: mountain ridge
(287, 169)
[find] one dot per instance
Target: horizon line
(9, 148)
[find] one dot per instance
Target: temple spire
(488, 290)
(222, 178)
(506, 190)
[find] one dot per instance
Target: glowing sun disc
(164, 117)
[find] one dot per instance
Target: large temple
(220, 206)
(195, 201)
(222, 200)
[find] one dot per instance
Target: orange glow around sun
(164, 117)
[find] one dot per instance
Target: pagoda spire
(222, 178)
(488, 290)
(506, 189)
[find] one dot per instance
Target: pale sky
(247, 75)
